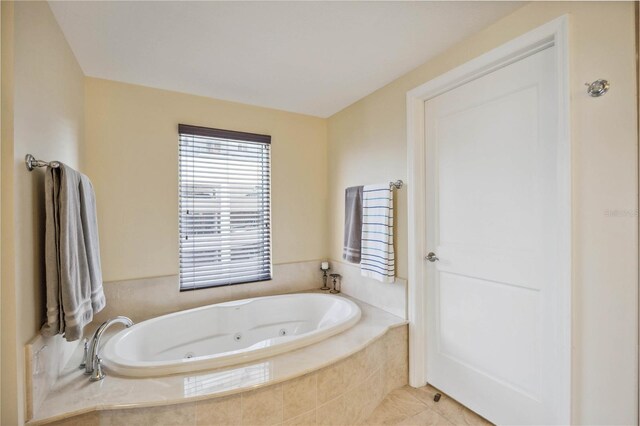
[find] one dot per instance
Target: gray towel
(72, 253)
(352, 224)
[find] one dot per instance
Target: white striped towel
(377, 259)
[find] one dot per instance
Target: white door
(494, 216)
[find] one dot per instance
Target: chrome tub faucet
(92, 361)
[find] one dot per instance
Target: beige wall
(8, 356)
(44, 117)
(132, 158)
(130, 152)
(367, 143)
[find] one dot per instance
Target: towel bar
(32, 163)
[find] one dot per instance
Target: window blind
(224, 207)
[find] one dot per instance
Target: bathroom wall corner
(390, 297)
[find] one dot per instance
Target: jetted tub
(227, 333)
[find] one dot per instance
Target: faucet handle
(85, 354)
(97, 374)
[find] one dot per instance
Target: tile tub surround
(390, 297)
(145, 298)
(370, 355)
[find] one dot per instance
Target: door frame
(553, 33)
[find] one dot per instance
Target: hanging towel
(352, 224)
(72, 253)
(378, 260)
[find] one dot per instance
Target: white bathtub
(227, 333)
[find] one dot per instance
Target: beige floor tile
(396, 407)
(428, 417)
(472, 418)
(446, 407)
(458, 414)
(426, 394)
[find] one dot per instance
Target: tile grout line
(299, 415)
(316, 404)
(242, 408)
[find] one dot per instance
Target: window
(225, 207)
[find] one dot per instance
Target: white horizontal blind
(225, 207)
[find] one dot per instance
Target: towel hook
(597, 88)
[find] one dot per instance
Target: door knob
(431, 257)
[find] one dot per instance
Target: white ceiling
(308, 57)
